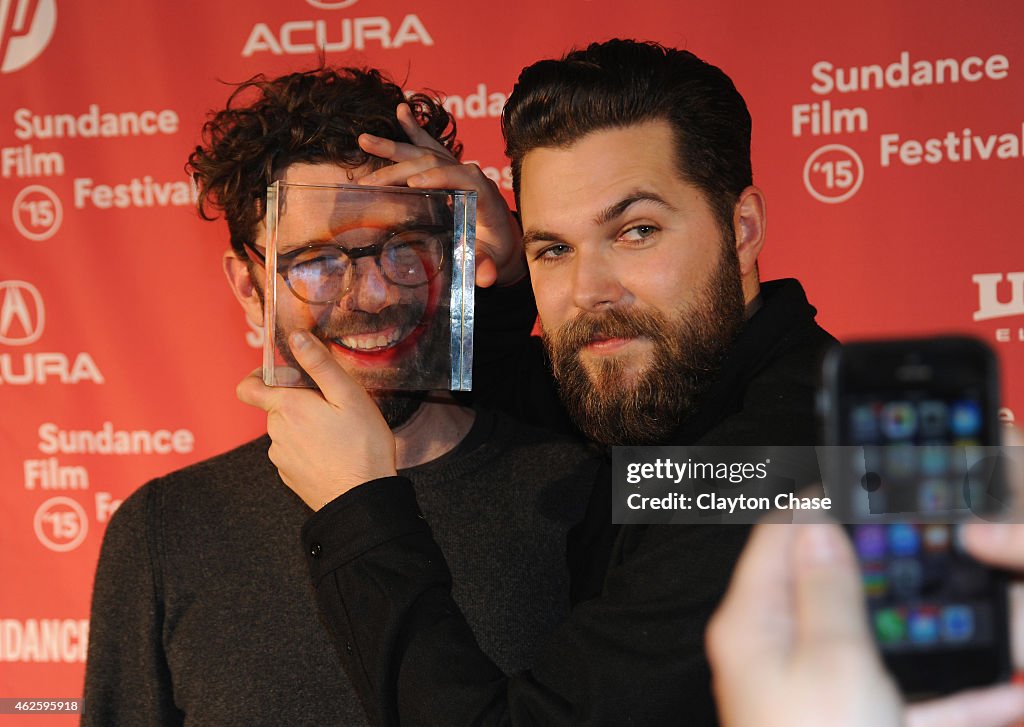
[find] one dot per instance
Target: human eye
(552, 252)
(641, 233)
(315, 262)
(413, 257)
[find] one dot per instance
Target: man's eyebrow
(535, 237)
(616, 210)
(613, 211)
(392, 229)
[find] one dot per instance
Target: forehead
(597, 170)
(310, 213)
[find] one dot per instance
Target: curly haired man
(202, 607)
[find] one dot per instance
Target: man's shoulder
(789, 318)
(775, 369)
(234, 466)
(202, 482)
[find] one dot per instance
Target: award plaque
(383, 276)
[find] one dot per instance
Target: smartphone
(907, 413)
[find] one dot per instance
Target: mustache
(587, 327)
(354, 323)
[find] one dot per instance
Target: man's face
(639, 294)
(382, 332)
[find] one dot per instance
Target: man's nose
(369, 291)
(596, 283)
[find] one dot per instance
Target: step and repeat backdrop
(889, 139)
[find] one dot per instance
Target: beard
(688, 348)
(398, 407)
(389, 386)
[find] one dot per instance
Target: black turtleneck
(632, 649)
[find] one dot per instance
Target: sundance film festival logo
(60, 524)
(22, 314)
(26, 27)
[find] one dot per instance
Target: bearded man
(641, 230)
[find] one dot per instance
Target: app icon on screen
(934, 459)
(957, 623)
(870, 541)
(935, 496)
(875, 581)
(904, 540)
(936, 538)
(933, 416)
(905, 577)
(923, 625)
(900, 461)
(864, 423)
(965, 421)
(899, 420)
(890, 625)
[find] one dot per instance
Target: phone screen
(938, 615)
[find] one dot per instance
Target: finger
(396, 151)
(428, 170)
(397, 175)
(1000, 544)
(333, 381)
(763, 576)
(977, 708)
(1013, 449)
(486, 270)
(828, 593)
(461, 176)
(1012, 436)
(416, 133)
(251, 390)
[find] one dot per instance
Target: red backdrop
(888, 139)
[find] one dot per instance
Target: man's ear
(749, 220)
(243, 286)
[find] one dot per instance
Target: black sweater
(631, 651)
(203, 612)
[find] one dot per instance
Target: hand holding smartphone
(915, 407)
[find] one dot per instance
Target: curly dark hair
(313, 116)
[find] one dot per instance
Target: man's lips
(377, 348)
(373, 340)
(604, 345)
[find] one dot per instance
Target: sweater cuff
(358, 521)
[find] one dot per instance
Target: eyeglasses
(322, 273)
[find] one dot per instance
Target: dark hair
(313, 116)
(624, 82)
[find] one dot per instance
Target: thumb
(829, 598)
(990, 707)
(332, 380)
(486, 269)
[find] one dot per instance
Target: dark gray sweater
(202, 608)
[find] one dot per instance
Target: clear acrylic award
(383, 276)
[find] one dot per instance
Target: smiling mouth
(374, 341)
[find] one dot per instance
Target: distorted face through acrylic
(368, 273)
